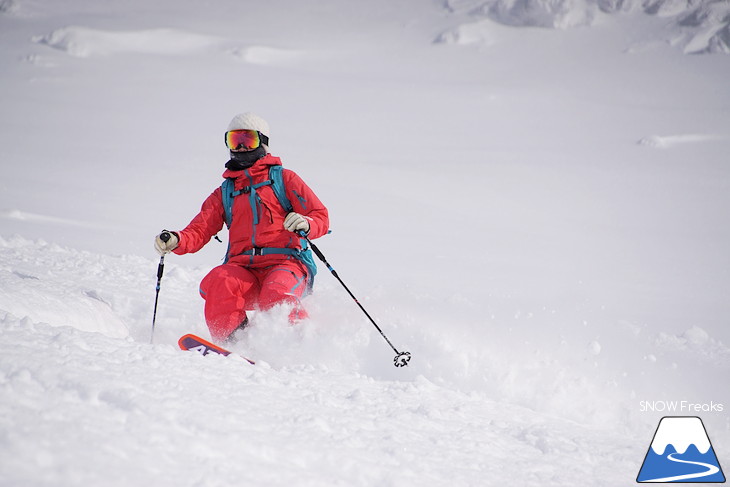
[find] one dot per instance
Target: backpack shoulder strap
(276, 174)
(227, 194)
(276, 179)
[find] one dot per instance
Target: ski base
(196, 344)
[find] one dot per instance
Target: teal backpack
(276, 181)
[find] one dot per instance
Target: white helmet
(249, 121)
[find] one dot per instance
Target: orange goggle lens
(243, 139)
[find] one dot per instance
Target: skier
(262, 267)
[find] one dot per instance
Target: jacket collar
(260, 168)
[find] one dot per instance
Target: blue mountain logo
(681, 452)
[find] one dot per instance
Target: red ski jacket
(269, 232)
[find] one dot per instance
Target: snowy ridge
(52, 285)
(524, 13)
(695, 27)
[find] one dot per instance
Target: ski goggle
(245, 139)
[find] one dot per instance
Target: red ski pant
(229, 290)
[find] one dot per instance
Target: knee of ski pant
(227, 279)
(282, 285)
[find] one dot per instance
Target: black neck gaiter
(244, 160)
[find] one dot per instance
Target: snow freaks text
(680, 407)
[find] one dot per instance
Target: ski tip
(195, 343)
(182, 341)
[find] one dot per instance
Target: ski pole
(164, 236)
(401, 358)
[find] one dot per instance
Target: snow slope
(114, 413)
(538, 215)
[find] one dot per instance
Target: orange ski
(200, 345)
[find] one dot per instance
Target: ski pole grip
(165, 236)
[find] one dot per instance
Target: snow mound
(44, 283)
(668, 141)
(86, 42)
(480, 33)
(265, 55)
(15, 214)
(696, 341)
(693, 26)
(8, 7)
